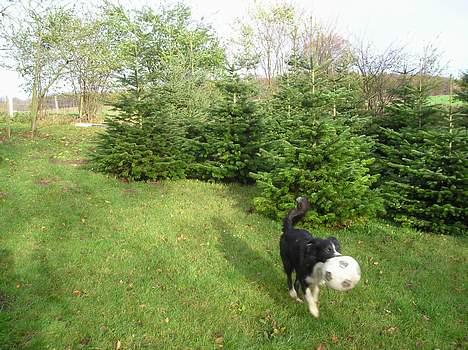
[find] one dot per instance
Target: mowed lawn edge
(91, 262)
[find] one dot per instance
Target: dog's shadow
(255, 267)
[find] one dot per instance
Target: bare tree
(276, 37)
(375, 70)
(322, 42)
(4, 5)
(266, 38)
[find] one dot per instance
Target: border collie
(304, 254)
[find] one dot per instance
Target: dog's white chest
(317, 275)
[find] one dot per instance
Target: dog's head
(324, 249)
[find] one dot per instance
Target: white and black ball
(341, 273)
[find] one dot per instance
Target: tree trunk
(450, 112)
(35, 89)
(34, 108)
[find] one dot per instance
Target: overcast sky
(415, 23)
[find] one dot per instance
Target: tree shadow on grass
(34, 299)
(255, 266)
(7, 298)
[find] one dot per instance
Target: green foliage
(426, 188)
(423, 165)
(145, 141)
(177, 119)
(226, 145)
(38, 45)
(311, 151)
(462, 93)
(167, 61)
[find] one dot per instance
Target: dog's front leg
(311, 301)
(317, 279)
(312, 291)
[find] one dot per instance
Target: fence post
(10, 106)
(56, 104)
(10, 114)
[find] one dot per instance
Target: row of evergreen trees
(297, 142)
(178, 118)
(421, 154)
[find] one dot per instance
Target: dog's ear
(336, 243)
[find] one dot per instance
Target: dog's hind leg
(293, 290)
(297, 288)
(289, 270)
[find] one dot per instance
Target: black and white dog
(304, 254)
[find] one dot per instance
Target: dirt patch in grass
(43, 182)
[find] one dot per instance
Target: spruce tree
(145, 140)
(312, 152)
(460, 112)
(462, 93)
(410, 111)
(167, 61)
(422, 160)
(228, 142)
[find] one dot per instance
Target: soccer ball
(341, 273)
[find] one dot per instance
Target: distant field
(91, 262)
(443, 100)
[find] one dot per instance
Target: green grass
(87, 261)
(444, 100)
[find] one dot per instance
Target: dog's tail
(302, 206)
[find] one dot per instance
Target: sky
(414, 23)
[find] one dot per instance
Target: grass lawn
(444, 100)
(90, 262)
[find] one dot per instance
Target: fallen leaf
(219, 340)
(391, 330)
(118, 345)
(334, 339)
(85, 341)
(76, 293)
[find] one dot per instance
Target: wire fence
(50, 105)
(64, 107)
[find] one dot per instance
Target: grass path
(89, 262)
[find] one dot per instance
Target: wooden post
(10, 106)
(10, 115)
(56, 104)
